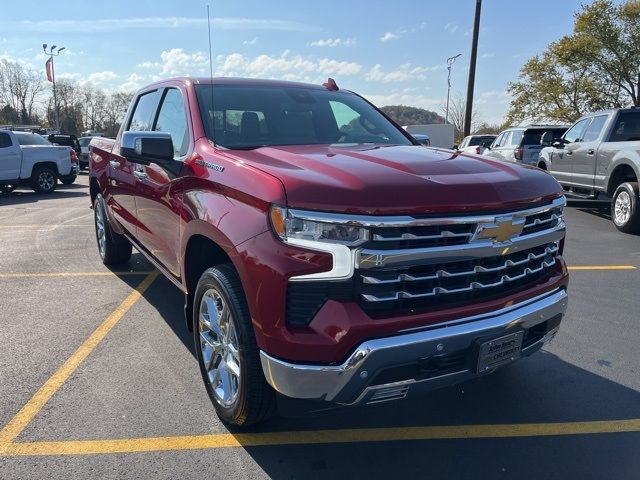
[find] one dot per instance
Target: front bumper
(435, 357)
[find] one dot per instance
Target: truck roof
(256, 82)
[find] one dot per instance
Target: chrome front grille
(431, 263)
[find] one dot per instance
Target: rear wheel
(43, 180)
(624, 208)
(227, 351)
(113, 248)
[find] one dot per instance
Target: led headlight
(317, 231)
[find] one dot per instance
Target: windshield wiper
(246, 147)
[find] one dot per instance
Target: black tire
(43, 179)
(68, 179)
(255, 400)
(84, 165)
(117, 249)
(624, 208)
(7, 188)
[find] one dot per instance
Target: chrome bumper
(351, 382)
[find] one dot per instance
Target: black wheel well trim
(623, 172)
(45, 164)
(200, 254)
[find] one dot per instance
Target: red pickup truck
(323, 253)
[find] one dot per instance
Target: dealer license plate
(500, 351)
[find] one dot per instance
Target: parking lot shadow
(19, 197)
(598, 208)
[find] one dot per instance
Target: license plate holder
(499, 351)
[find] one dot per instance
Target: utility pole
(450, 62)
(472, 70)
(51, 76)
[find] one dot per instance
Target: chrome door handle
(569, 152)
(114, 164)
(139, 174)
(591, 151)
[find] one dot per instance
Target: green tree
(404, 115)
(595, 67)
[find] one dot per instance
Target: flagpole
(53, 80)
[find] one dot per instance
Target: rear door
(157, 207)
(10, 158)
(562, 164)
(584, 155)
(121, 180)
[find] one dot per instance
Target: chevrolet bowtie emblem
(502, 230)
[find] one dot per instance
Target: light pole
(472, 70)
(450, 62)
(51, 76)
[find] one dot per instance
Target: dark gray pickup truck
(600, 154)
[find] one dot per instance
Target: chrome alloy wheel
(100, 231)
(46, 180)
(219, 347)
(622, 208)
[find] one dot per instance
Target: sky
(392, 52)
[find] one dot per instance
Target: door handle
(114, 164)
(140, 174)
(569, 152)
(591, 151)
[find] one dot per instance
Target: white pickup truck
(29, 159)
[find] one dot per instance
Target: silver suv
(522, 144)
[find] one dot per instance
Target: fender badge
(212, 166)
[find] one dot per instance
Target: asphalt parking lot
(99, 379)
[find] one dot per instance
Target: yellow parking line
(225, 440)
(71, 274)
(602, 267)
(20, 421)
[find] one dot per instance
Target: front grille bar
(405, 277)
(539, 221)
(412, 236)
(472, 286)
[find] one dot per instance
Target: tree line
(27, 99)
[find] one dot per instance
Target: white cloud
(100, 79)
(285, 66)
(253, 41)
(402, 73)
(389, 36)
(177, 62)
(333, 42)
(133, 82)
(67, 76)
(451, 27)
(115, 24)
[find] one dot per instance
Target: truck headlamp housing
(317, 231)
(299, 225)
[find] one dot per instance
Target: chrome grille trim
(472, 286)
(538, 221)
(411, 236)
(405, 277)
(370, 258)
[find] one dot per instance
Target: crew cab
(29, 159)
(322, 252)
(600, 154)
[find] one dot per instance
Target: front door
(121, 200)
(584, 157)
(157, 205)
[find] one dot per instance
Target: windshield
(31, 139)
(251, 117)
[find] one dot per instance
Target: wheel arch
(623, 172)
(38, 165)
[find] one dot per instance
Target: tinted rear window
(31, 139)
(627, 128)
(480, 140)
(533, 137)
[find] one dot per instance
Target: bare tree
(115, 111)
(20, 88)
(456, 115)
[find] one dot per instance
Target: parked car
(320, 254)
(29, 159)
(522, 144)
(477, 144)
(600, 154)
(84, 153)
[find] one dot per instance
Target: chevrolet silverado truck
(600, 154)
(28, 159)
(323, 254)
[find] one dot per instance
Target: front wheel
(113, 248)
(44, 180)
(227, 351)
(624, 208)
(68, 179)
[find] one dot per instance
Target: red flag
(49, 68)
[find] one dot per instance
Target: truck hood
(378, 180)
